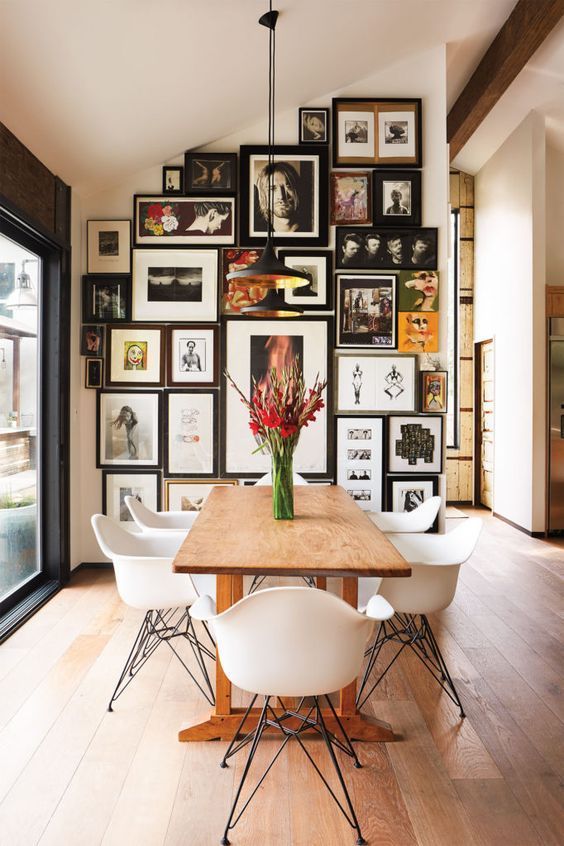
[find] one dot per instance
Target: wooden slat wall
(460, 461)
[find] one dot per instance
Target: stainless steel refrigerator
(556, 418)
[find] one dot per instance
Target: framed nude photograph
(313, 126)
(136, 356)
(193, 355)
(250, 351)
(210, 173)
(406, 493)
(393, 249)
(375, 383)
(397, 198)
(415, 444)
(366, 311)
(173, 179)
(369, 132)
(360, 460)
(128, 429)
(317, 295)
(175, 285)
(351, 197)
(190, 494)
(191, 433)
(299, 195)
(106, 298)
(92, 340)
(173, 221)
(144, 486)
(108, 246)
(235, 296)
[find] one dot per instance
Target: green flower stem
(283, 485)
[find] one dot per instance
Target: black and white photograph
(210, 173)
(193, 355)
(135, 356)
(317, 295)
(360, 468)
(313, 126)
(191, 494)
(92, 340)
(191, 433)
(105, 298)
(108, 246)
(93, 372)
(189, 221)
(173, 179)
(397, 197)
(128, 429)
(406, 493)
(366, 311)
(376, 133)
(415, 444)
(175, 285)
(298, 206)
(144, 487)
(394, 249)
(375, 383)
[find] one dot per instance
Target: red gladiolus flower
(287, 429)
(271, 418)
(254, 427)
(155, 211)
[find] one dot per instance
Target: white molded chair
(418, 520)
(159, 521)
(145, 580)
(267, 479)
(435, 563)
(292, 642)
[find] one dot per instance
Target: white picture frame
(175, 286)
(360, 460)
(353, 143)
(390, 147)
(415, 443)
(108, 246)
(191, 433)
(387, 383)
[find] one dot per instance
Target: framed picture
(251, 349)
(300, 209)
(173, 179)
(108, 246)
(434, 390)
(369, 132)
(191, 433)
(175, 285)
(94, 373)
(394, 249)
(136, 356)
(360, 460)
(190, 494)
(418, 332)
(406, 493)
(317, 295)
(366, 311)
(146, 487)
(128, 429)
(397, 197)
(193, 355)
(106, 299)
(375, 383)
(92, 340)
(351, 197)
(415, 444)
(210, 173)
(183, 220)
(418, 290)
(235, 296)
(313, 126)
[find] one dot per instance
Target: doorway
(484, 424)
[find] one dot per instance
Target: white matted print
(116, 486)
(355, 134)
(360, 459)
(317, 295)
(408, 494)
(136, 355)
(128, 429)
(189, 494)
(252, 349)
(192, 355)
(109, 245)
(396, 134)
(415, 444)
(375, 383)
(191, 436)
(175, 285)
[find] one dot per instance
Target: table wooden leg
(321, 582)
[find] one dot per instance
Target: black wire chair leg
(256, 583)
(209, 696)
(348, 743)
(138, 647)
(230, 749)
(360, 703)
(443, 665)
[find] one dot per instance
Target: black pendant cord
(269, 20)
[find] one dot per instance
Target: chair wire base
(158, 627)
(310, 718)
(414, 631)
(258, 580)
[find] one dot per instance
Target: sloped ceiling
(99, 89)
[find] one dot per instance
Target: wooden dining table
(236, 535)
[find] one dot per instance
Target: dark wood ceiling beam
(520, 36)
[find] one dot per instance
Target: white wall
(423, 75)
(554, 213)
(509, 306)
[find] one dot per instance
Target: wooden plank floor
(72, 774)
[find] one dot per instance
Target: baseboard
(465, 503)
(92, 565)
(517, 526)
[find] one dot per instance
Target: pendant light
(269, 272)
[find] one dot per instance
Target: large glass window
(453, 361)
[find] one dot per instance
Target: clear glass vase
(283, 486)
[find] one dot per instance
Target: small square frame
(173, 179)
(307, 135)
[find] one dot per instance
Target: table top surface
(235, 533)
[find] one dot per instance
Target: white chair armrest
(204, 609)
(379, 608)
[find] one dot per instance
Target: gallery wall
(422, 76)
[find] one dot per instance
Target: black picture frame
(138, 329)
(296, 296)
(173, 175)
(311, 231)
(92, 340)
(106, 298)
(360, 324)
(387, 181)
(350, 421)
(201, 174)
(170, 357)
(113, 472)
(426, 376)
(166, 221)
(412, 479)
(128, 396)
(308, 134)
(94, 373)
(184, 474)
(385, 152)
(378, 248)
